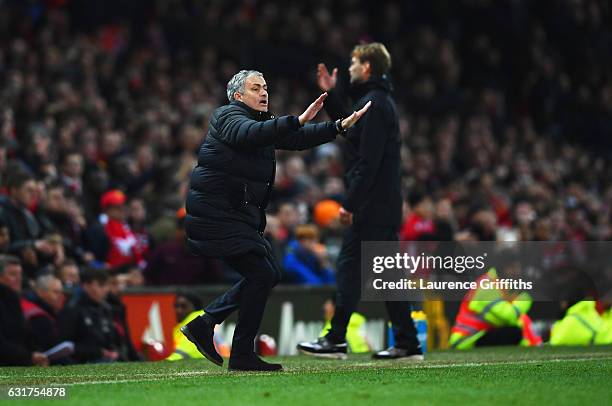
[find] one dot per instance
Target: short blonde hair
(307, 232)
(375, 53)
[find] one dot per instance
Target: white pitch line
(413, 364)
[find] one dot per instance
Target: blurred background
(505, 113)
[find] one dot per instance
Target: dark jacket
(13, 332)
(126, 348)
(23, 226)
(230, 186)
(42, 322)
(90, 326)
(372, 154)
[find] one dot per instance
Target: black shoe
(324, 348)
(199, 332)
(251, 362)
(397, 353)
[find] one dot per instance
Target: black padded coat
(231, 184)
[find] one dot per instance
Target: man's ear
(238, 96)
(367, 67)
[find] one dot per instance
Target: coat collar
(359, 89)
(255, 114)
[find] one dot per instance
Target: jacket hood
(255, 114)
(375, 82)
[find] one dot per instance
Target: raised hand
(313, 109)
(326, 81)
(353, 118)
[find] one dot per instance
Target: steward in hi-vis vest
(486, 317)
(583, 325)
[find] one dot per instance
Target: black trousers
(249, 296)
(348, 280)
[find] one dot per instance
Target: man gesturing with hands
(229, 191)
(373, 204)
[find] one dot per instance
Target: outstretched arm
(312, 135)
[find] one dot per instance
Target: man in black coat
(14, 338)
(373, 205)
(87, 321)
(229, 191)
(40, 309)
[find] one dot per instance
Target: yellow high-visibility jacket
(582, 325)
(355, 334)
(484, 309)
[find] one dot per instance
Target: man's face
(96, 290)
(54, 295)
(118, 212)
(70, 275)
(359, 72)
(56, 201)
(11, 277)
(255, 93)
(25, 195)
(73, 166)
(182, 308)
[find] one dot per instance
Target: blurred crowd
(505, 106)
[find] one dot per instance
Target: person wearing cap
(229, 190)
(123, 249)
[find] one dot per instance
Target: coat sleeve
(239, 131)
(371, 149)
(335, 107)
(308, 136)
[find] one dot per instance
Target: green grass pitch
(552, 376)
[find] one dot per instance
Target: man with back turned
(229, 191)
(373, 204)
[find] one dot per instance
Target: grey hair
(8, 260)
(43, 281)
(236, 84)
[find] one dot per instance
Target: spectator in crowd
(26, 234)
(14, 339)
(87, 320)
(41, 308)
(126, 349)
(55, 218)
(137, 220)
(68, 274)
(171, 263)
(113, 242)
(419, 218)
(71, 172)
(307, 261)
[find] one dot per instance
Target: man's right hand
(326, 81)
(40, 359)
